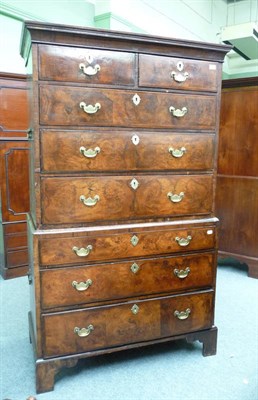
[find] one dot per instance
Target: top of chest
(101, 57)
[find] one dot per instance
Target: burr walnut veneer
(122, 231)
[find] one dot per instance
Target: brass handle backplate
(90, 109)
(83, 332)
(82, 286)
(182, 273)
(89, 69)
(175, 198)
(182, 314)
(82, 252)
(176, 112)
(89, 202)
(179, 77)
(89, 153)
(183, 241)
(177, 153)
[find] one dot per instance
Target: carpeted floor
(175, 371)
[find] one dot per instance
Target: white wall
(13, 12)
(10, 32)
(188, 19)
(242, 11)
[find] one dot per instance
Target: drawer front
(98, 150)
(136, 321)
(16, 240)
(105, 107)
(89, 66)
(17, 258)
(94, 283)
(61, 250)
(183, 74)
(76, 200)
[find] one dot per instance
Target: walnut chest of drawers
(122, 231)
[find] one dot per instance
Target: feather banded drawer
(122, 232)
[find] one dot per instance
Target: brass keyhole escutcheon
(135, 139)
(180, 66)
(134, 240)
(135, 309)
(134, 184)
(136, 99)
(135, 268)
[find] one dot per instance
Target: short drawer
(106, 150)
(66, 105)
(102, 246)
(89, 66)
(136, 321)
(90, 199)
(95, 283)
(176, 73)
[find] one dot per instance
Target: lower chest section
(107, 288)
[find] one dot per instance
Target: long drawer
(95, 283)
(109, 150)
(99, 246)
(66, 105)
(76, 199)
(136, 321)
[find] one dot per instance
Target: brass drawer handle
(177, 112)
(90, 109)
(89, 69)
(177, 153)
(175, 198)
(182, 314)
(89, 202)
(89, 153)
(182, 273)
(83, 332)
(83, 251)
(82, 286)
(182, 241)
(179, 77)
